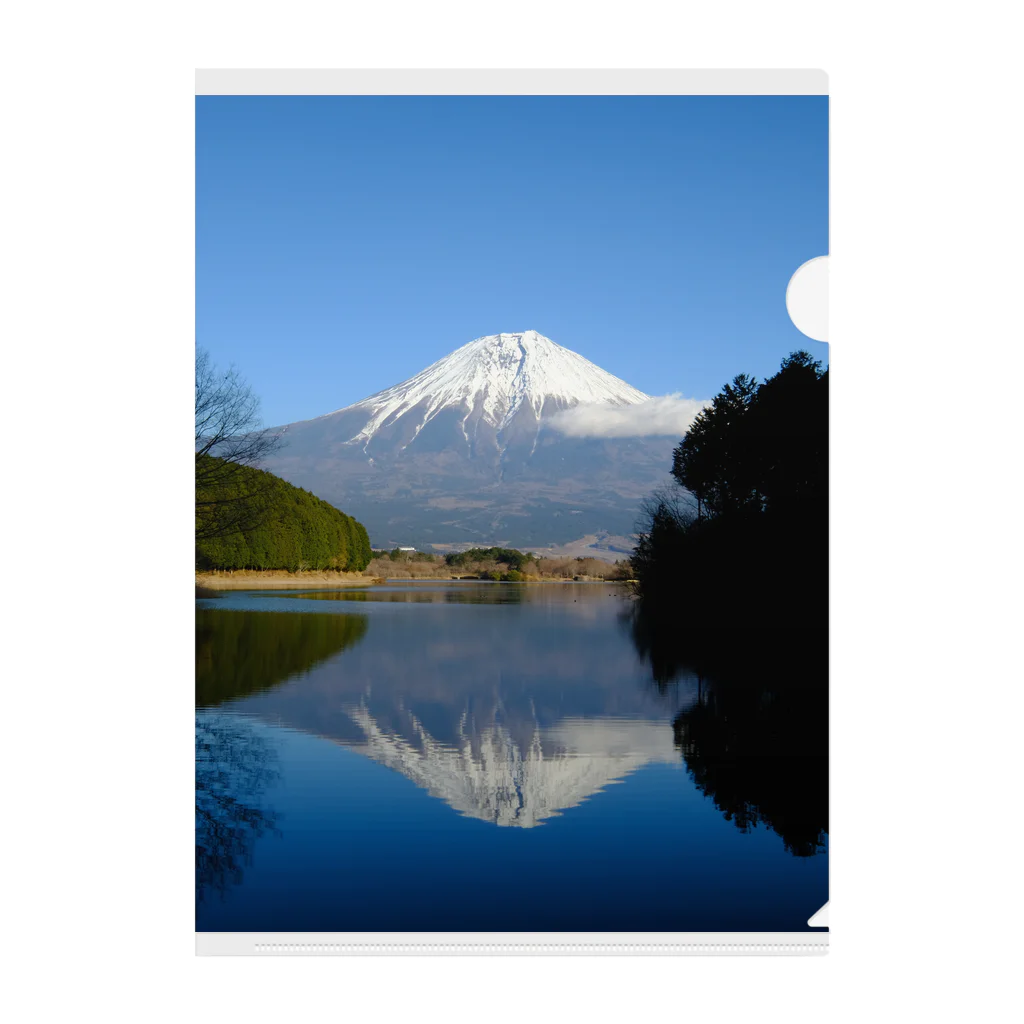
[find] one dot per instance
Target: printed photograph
(511, 514)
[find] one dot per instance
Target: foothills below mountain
(469, 451)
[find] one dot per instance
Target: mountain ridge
(468, 450)
(494, 376)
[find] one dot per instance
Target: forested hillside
(285, 527)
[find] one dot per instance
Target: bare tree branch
(229, 435)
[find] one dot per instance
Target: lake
(494, 757)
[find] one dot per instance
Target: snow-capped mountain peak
(494, 443)
(494, 380)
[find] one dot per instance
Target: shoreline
(259, 579)
(255, 579)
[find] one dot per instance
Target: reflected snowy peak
(491, 775)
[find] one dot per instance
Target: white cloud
(666, 415)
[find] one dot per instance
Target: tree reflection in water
(234, 766)
(240, 653)
(755, 740)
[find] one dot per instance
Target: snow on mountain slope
(474, 450)
(491, 380)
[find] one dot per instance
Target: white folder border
(511, 943)
(509, 81)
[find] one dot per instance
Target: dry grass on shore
(254, 579)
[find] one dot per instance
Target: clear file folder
(512, 626)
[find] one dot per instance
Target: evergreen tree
(295, 529)
(713, 461)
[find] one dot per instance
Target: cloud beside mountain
(664, 415)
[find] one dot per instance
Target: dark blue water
(489, 757)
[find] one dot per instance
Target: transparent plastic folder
(512, 637)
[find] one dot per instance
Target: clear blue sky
(344, 243)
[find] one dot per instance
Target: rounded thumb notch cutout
(807, 298)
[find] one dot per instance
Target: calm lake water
(490, 757)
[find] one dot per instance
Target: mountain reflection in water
(514, 706)
(490, 776)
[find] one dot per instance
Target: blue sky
(344, 243)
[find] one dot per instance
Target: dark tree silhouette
(733, 587)
(789, 434)
(750, 551)
(713, 461)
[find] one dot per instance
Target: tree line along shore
(506, 565)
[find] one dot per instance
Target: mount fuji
(474, 450)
